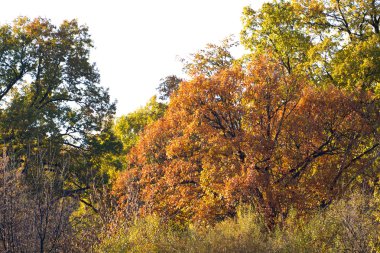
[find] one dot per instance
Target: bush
(346, 226)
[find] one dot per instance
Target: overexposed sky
(137, 41)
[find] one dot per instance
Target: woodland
(274, 151)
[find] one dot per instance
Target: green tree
(277, 28)
(128, 127)
(333, 41)
(49, 90)
(51, 102)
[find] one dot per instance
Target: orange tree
(256, 135)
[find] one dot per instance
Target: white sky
(137, 41)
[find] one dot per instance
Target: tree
(257, 135)
(49, 91)
(168, 86)
(34, 215)
(128, 127)
(335, 42)
(55, 122)
(276, 27)
(210, 60)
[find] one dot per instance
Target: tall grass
(349, 225)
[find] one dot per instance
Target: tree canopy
(333, 41)
(258, 135)
(50, 92)
(278, 150)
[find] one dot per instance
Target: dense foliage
(293, 125)
(258, 136)
(275, 151)
(55, 122)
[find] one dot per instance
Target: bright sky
(137, 41)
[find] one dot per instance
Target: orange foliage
(255, 135)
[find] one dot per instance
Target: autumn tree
(257, 135)
(211, 59)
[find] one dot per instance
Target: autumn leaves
(256, 135)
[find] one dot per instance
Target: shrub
(349, 225)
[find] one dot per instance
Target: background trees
(34, 211)
(333, 41)
(50, 93)
(55, 127)
(290, 130)
(128, 127)
(46, 72)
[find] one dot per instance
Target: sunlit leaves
(129, 126)
(332, 41)
(258, 135)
